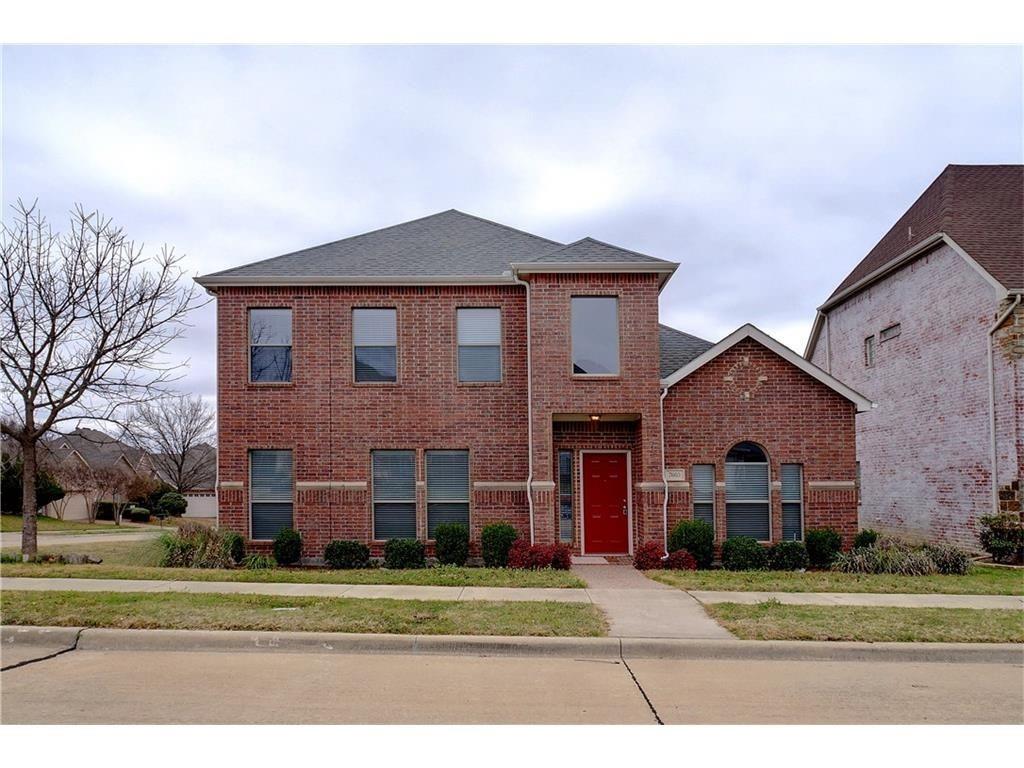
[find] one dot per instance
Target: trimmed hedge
(451, 543)
(138, 514)
(171, 504)
(680, 560)
(823, 545)
(496, 541)
(556, 556)
(346, 554)
(287, 546)
(743, 553)
(696, 537)
(404, 553)
(865, 538)
(788, 556)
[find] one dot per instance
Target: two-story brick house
(930, 326)
(455, 369)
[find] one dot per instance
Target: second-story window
(270, 345)
(479, 337)
(869, 351)
(374, 344)
(595, 335)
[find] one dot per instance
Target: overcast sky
(768, 173)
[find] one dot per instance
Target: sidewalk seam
(650, 704)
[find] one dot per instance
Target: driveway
(13, 539)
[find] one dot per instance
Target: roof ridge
(626, 250)
(499, 224)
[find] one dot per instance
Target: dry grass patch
(171, 610)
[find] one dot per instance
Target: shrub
(404, 553)
(171, 505)
(823, 544)
(561, 557)
(696, 537)
(496, 541)
(680, 560)
(451, 543)
(948, 559)
(138, 514)
(347, 554)
(1002, 536)
(522, 555)
(236, 546)
(887, 556)
(865, 538)
(196, 546)
(788, 556)
(257, 562)
(648, 556)
(288, 546)
(743, 553)
(105, 510)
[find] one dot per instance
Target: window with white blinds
(375, 344)
(447, 489)
(792, 502)
(702, 489)
(394, 495)
(747, 499)
(479, 341)
(270, 345)
(270, 493)
(565, 497)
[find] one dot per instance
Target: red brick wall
(795, 418)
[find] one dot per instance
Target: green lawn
(307, 614)
(12, 524)
(774, 621)
(141, 560)
(982, 580)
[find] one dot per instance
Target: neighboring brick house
(455, 369)
(930, 326)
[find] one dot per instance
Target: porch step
(589, 560)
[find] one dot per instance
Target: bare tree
(113, 483)
(76, 478)
(86, 322)
(177, 432)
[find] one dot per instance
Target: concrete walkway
(13, 539)
(864, 598)
(639, 607)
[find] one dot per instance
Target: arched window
(747, 500)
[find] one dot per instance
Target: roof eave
(211, 282)
(665, 268)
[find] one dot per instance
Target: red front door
(605, 503)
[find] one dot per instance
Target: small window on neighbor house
(479, 340)
(270, 345)
(374, 343)
(595, 335)
(447, 489)
(869, 351)
(702, 489)
(394, 495)
(565, 496)
(889, 333)
(270, 492)
(792, 502)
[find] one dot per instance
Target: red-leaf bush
(680, 560)
(522, 555)
(648, 557)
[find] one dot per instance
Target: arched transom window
(747, 499)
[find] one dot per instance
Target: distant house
(930, 326)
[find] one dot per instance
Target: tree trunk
(28, 500)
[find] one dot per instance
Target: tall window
(792, 502)
(270, 345)
(375, 340)
(479, 339)
(702, 489)
(565, 496)
(869, 351)
(747, 501)
(595, 335)
(270, 492)
(394, 495)
(447, 489)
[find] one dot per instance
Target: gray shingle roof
(678, 348)
(446, 244)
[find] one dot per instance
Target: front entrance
(605, 502)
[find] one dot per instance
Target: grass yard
(12, 524)
(775, 621)
(141, 560)
(982, 580)
(306, 614)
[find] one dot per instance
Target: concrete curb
(603, 648)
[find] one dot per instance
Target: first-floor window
(447, 489)
(565, 496)
(270, 492)
(394, 495)
(702, 489)
(747, 501)
(792, 502)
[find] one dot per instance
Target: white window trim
(629, 502)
